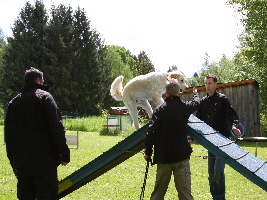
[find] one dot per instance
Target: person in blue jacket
(216, 111)
(35, 139)
(167, 136)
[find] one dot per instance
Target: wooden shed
(244, 98)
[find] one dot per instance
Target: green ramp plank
(236, 157)
(100, 165)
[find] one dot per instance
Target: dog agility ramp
(100, 165)
(236, 157)
(242, 161)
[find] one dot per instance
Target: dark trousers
(41, 187)
(216, 167)
(182, 180)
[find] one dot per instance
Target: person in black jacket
(216, 111)
(167, 134)
(35, 139)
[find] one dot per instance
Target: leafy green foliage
(2, 46)
(71, 54)
(226, 70)
(121, 63)
(77, 65)
(253, 45)
(24, 50)
(172, 68)
(88, 124)
(2, 37)
(93, 124)
(144, 64)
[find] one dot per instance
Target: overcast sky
(171, 32)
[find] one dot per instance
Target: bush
(86, 124)
(94, 124)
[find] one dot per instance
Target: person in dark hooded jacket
(35, 139)
(167, 135)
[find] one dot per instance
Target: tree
(144, 64)
(172, 68)
(253, 45)
(59, 56)
(2, 37)
(253, 42)
(70, 53)
(226, 70)
(91, 68)
(121, 63)
(2, 46)
(24, 50)
(192, 81)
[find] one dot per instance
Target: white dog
(142, 88)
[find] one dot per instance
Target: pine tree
(24, 50)
(144, 64)
(91, 69)
(71, 54)
(60, 55)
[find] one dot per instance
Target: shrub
(87, 124)
(94, 124)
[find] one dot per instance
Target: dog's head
(179, 77)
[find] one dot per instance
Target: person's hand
(194, 90)
(146, 157)
(236, 131)
(190, 141)
(63, 163)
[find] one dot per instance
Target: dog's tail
(116, 88)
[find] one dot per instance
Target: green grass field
(125, 180)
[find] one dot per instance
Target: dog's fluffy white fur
(142, 88)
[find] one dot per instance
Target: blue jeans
(216, 167)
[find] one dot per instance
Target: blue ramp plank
(262, 172)
(234, 151)
(236, 157)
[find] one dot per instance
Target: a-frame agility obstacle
(236, 157)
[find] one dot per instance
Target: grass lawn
(125, 180)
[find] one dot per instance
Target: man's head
(33, 76)
(172, 88)
(211, 84)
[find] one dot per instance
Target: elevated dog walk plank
(236, 157)
(234, 151)
(262, 172)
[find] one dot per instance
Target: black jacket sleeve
(193, 105)
(230, 113)
(56, 128)
(153, 132)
